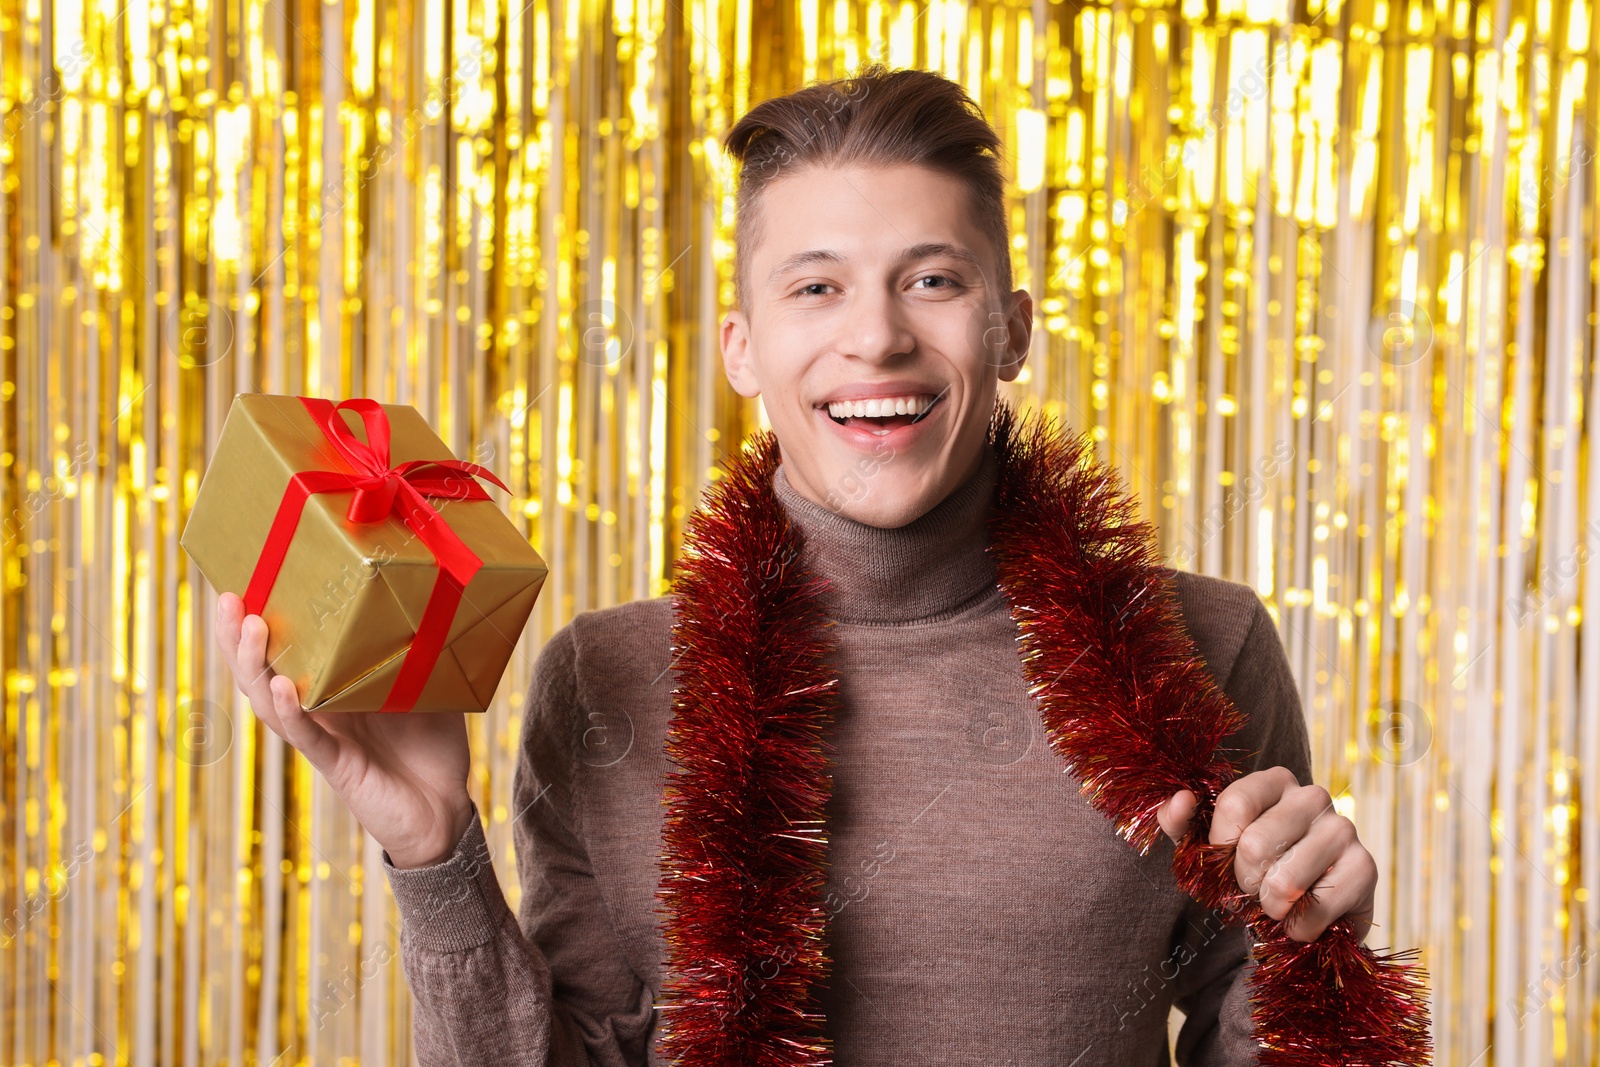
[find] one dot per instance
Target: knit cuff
(455, 904)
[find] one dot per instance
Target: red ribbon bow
(380, 491)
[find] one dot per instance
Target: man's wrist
(431, 853)
(455, 904)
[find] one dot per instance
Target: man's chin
(883, 487)
(886, 504)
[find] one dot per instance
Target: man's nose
(877, 329)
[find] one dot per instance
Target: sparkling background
(1321, 279)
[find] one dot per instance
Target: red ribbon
(381, 491)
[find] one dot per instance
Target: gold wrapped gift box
(349, 596)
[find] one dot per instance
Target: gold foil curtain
(1321, 280)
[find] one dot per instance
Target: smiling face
(875, 335)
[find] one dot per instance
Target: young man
(981, 912)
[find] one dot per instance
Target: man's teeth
(879, 407)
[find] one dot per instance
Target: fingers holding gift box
(387, 576)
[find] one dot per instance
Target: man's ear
(736, 363)
(1019, 335)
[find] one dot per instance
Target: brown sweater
(983, 912)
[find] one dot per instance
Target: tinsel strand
(744, 843)
(1125, 699)
(1128, 704)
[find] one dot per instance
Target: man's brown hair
(877, 117)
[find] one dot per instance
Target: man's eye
(805, 290)
(950, 282)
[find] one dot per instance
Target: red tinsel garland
(1125, 700)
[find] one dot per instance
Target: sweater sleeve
(548, 988)
(1212, 961)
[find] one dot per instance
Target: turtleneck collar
(924, 571)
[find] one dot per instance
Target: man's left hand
(1289, 840)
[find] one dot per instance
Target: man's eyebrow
(925, 250)
(804, 259)
(929, 249)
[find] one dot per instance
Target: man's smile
(882, 413)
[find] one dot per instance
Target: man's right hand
(402, 775)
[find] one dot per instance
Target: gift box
(387, 576)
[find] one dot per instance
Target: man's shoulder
(617, 645)
(1219, 615)
(649, 619)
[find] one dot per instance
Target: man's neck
(930, 568)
